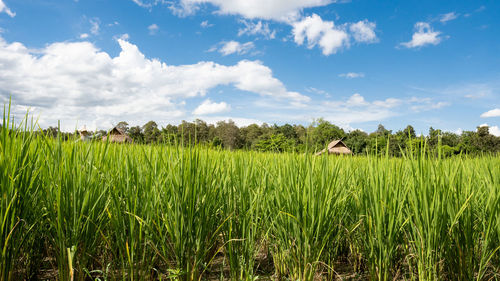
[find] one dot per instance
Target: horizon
(356, 64)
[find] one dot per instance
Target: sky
(354, 63)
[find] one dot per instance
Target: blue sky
(354, 63)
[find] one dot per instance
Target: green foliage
(275, 143)
(301, 139)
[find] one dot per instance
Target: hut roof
(336, 147)
(117, 130)
(117, 135)
(335, 142)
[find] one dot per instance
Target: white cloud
(94, 29)
(318, 91)
(124, 36)
(153, 29)
(258, 28)
(234, 47)
(388, 103)
(424, 35)
(281, 10)
(364, 31)
(84, 36)
(206, 24)
(356, 100)
(425, 104)
(318, 32)
(144, 4)
(351, 75)
(209, 107)
(358, 110)
(448, 17)
(76, 82)
(494, 130)
(5, 9)
(491, 113)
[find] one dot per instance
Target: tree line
(299, 138)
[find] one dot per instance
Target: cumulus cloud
(491, 113)
(356, 100)
(322, 33)
(209, 107)
(424, 35)
(494, 130)
(234, 47)
(313, 29)
(84, 36)
(5, 9)
(153, 29)
(281, 10)
(364, 31)
(76, 82)
(448, 17)
(259, 28)
(351, 75)
(329, 37)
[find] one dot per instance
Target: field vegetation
(74, 210)
(299, 138)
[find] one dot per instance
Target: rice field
(98, 211)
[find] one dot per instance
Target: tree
(169, 134)
(201, 131)
(229, 133)
(382, 131)
(288, 131)
(275, 143)
(136, 134)
(409, 132)
(357, 141)
(250, 135)
(187, 132)
(151, 132)
(122, 125)
(324, 133)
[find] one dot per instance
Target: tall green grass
(99, 211)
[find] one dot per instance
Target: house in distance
(336, 147)
(117, 135)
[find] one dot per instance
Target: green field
(80, 211)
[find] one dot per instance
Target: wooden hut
(117, 135)
(85, 135)
(336, 147)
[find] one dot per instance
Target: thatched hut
(85, 135)
(336, 147)
(117, 135)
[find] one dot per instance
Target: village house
(336, 147)
(117, 135)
